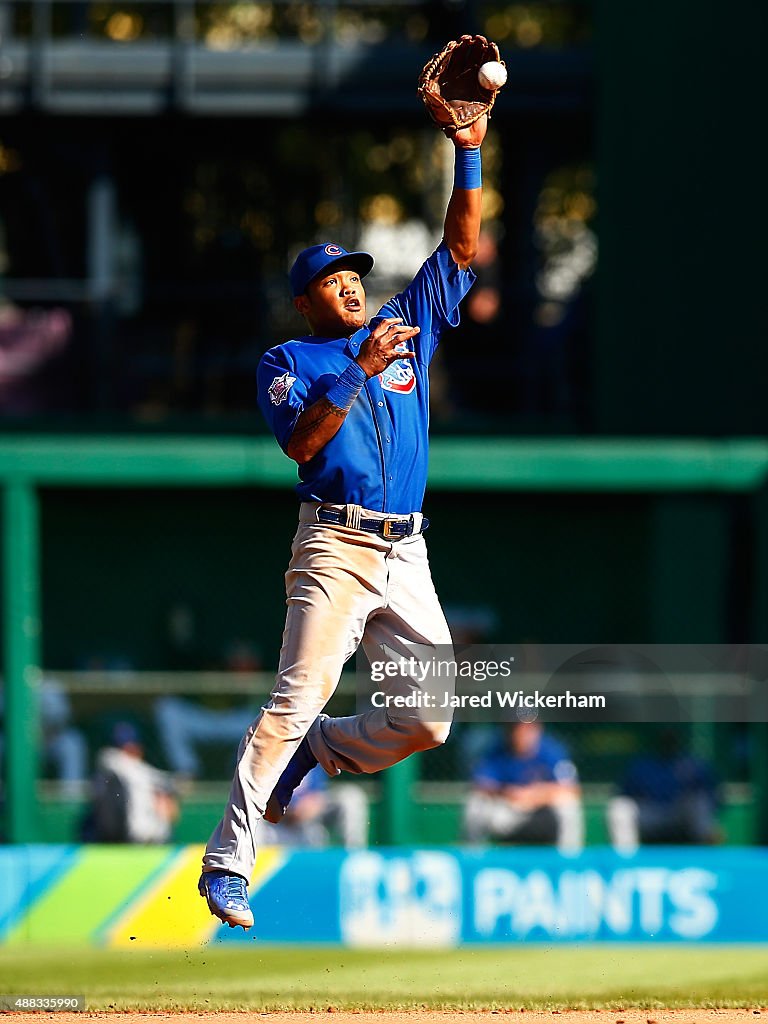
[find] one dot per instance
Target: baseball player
(349, 402)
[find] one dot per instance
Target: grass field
(257, 978)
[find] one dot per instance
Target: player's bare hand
(380, 348)
(472, 136)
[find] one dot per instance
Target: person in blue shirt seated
(667, 796)
(526, 790)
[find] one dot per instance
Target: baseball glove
(449, 87)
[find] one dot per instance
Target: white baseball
(492, 75)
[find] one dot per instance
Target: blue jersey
(378, 458)
(550, 763)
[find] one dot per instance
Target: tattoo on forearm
(311, 419)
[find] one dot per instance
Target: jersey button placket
(378, 413)
(384, 424)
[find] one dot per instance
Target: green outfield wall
(567, 541)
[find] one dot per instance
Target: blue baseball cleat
(227, 897)
(301, 764)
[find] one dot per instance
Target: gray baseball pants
(344, 587)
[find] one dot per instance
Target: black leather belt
(389, 529)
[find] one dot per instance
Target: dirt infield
(725, 1016)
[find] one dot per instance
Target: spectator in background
(64, 746)
(29, 342)
(64, 749)
(132, 801)
(186, 725)
(322, 811)
(667, 796)
(526, 790)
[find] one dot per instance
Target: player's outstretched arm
(323, 419)
(462, 218)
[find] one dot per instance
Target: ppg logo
(334, 250)
(413, 900)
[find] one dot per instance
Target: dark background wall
(610, 569)
(681, 324)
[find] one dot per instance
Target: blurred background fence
(160, 164)
(154, 567)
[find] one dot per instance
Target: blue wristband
(348, 386)
(468, 171)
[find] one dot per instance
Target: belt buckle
(386, 530)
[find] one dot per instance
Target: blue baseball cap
(317, 258)
(125, 732)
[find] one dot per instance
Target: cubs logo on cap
(313, 261)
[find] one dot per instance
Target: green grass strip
(257, 978)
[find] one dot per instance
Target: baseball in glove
(449, 85)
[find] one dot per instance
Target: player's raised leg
(410, 625)
(332, 587)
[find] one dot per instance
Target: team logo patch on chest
(279, 388)
(399, 377)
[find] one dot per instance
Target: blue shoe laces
(236, 886)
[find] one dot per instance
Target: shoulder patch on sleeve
(279, 388)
